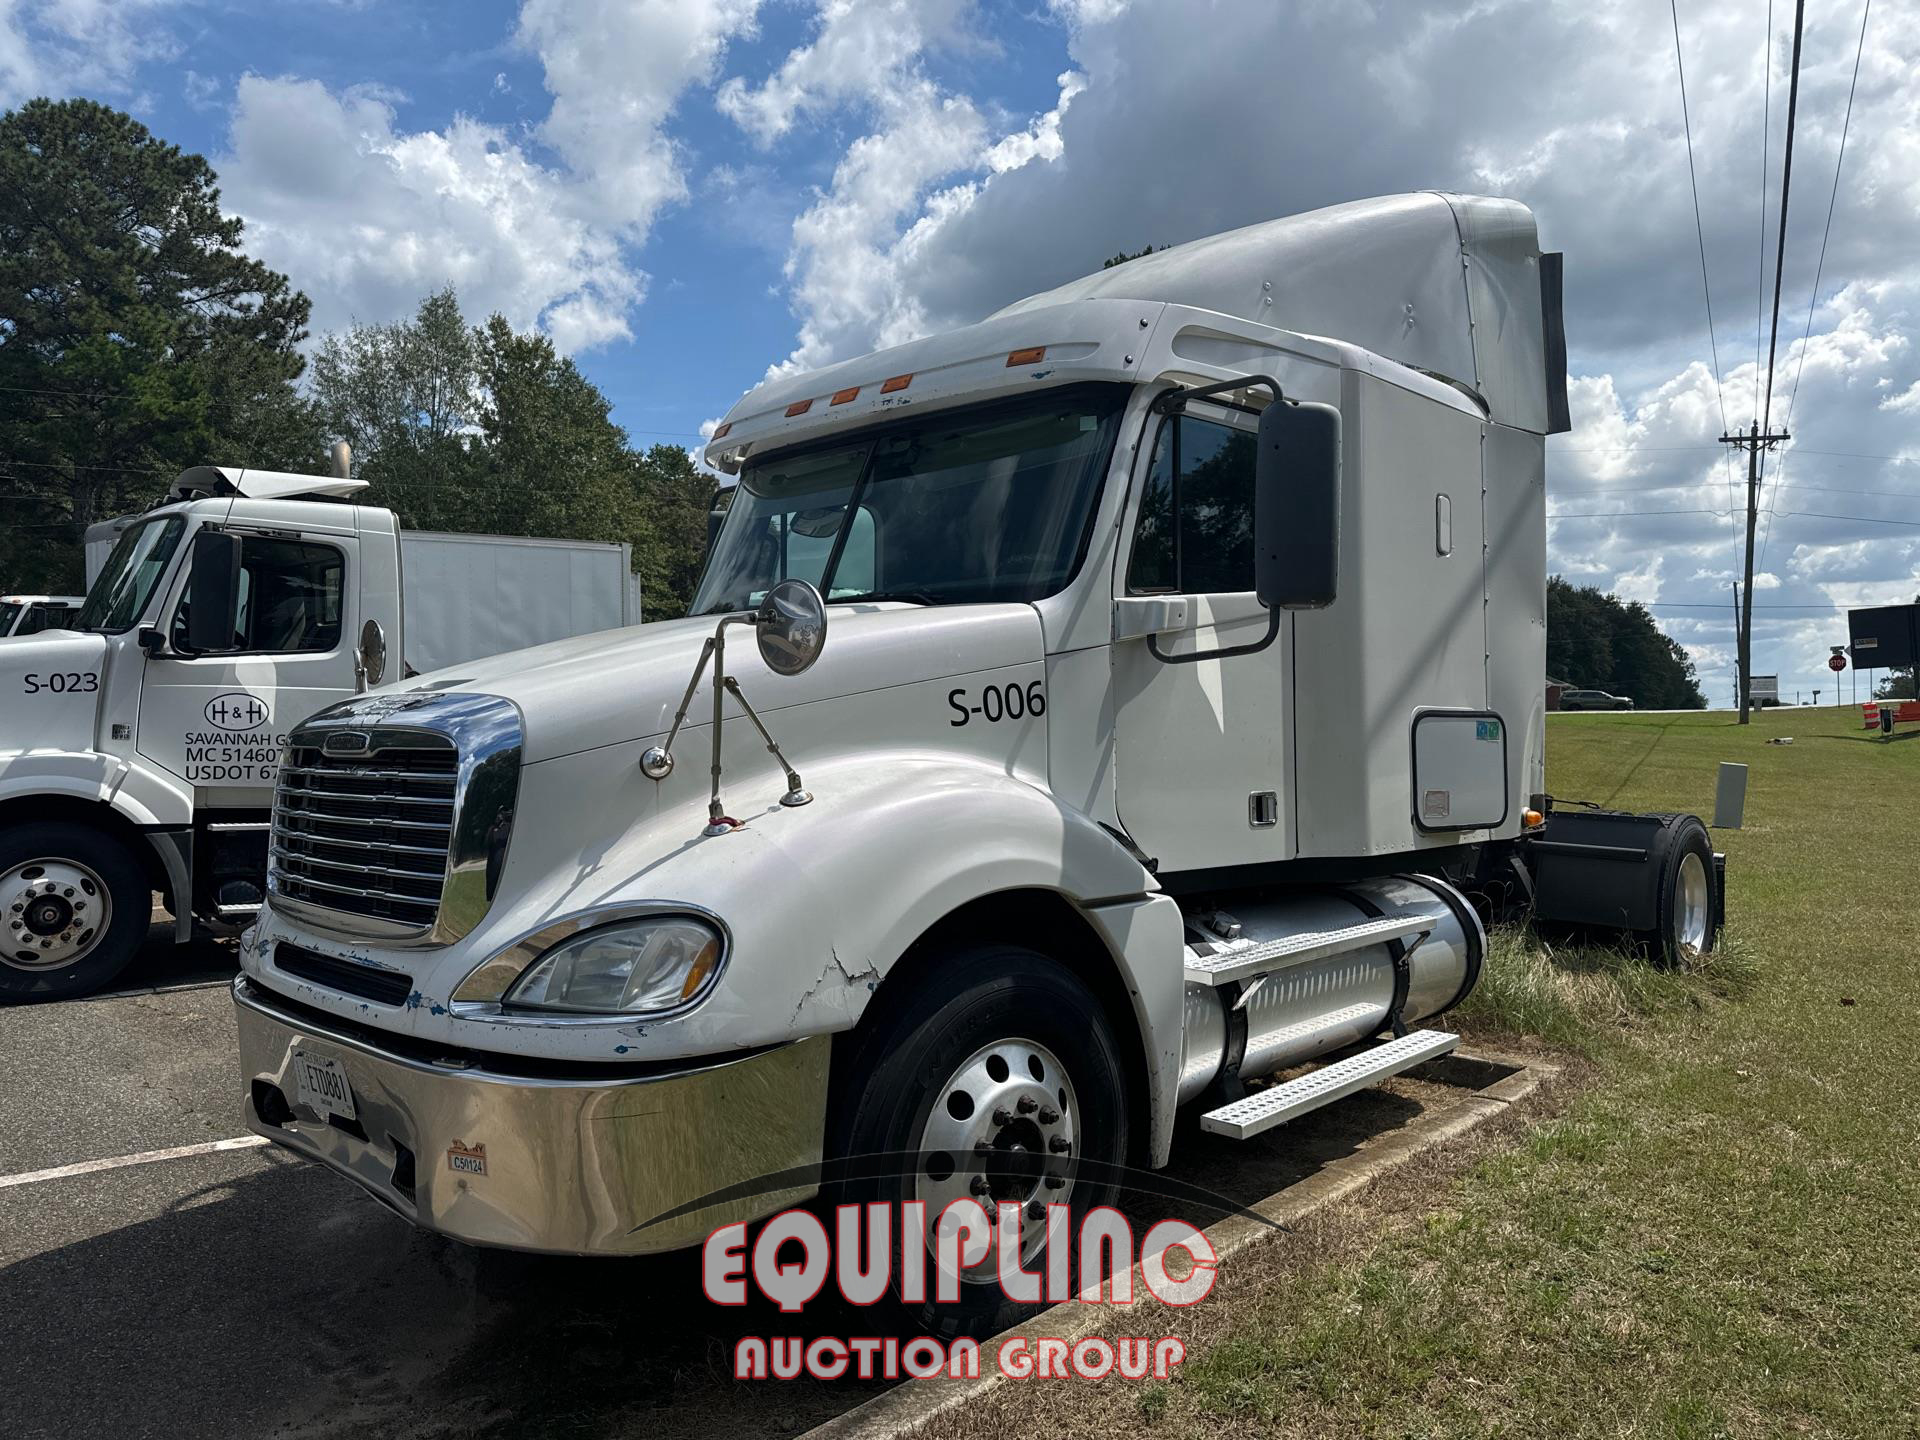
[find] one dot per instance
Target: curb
(912, 1403)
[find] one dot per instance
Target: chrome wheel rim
(54, 912)
(1004, 1127)
(1692, 907)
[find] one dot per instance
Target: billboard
(1884, 635)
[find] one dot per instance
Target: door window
(290, 597)
(1194, 535)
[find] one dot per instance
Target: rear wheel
(1000, 1075)
(1684, 904)
(74, 907)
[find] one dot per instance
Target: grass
(1716, 1235)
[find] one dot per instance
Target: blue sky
(685, 193)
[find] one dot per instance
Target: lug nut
(983, 1147)
(1028, 1105)
(1036, 1211)
(980, 1186)
(1002, 1115)
(1056, 1182)
(1049, 1115)
(1059, 1145)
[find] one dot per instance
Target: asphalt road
(245, 1293)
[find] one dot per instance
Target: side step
(1278, 1104)
(1309, 945)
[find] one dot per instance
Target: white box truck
(139, 747)
(1147, 677)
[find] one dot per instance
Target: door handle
(1138, 615)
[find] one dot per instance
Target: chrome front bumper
(565, 1165)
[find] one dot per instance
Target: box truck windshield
(990, 503)
(140, 557)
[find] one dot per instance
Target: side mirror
(373, 653)
(1296, 506)
(791, 626)
(213, 592)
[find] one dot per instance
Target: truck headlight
(635, 967)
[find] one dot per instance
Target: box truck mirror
(1296, 506)
(213, 593)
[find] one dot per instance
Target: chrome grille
(367, 834)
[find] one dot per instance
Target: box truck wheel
(74, 907)
(1685, 904)
(994, 1079)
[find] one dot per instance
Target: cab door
(1203, 749)
(219, 720)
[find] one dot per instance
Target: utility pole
(1753, 442)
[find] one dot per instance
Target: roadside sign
(1836, 663)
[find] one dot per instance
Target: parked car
(1594, 700)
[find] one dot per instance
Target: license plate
(320, 1084)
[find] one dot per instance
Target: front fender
(823, 900)
(135, 791)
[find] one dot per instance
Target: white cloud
(369, 217)
(1907, 402)
(65, 47)
(1642, 584)
(616, 69)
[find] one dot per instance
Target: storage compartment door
(1459, 770)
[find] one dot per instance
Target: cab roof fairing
(1083, 340)
(1444, 285)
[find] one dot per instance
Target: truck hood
(622, 685)
(50, 689)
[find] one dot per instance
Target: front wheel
(74, 907)
(1000, 1074)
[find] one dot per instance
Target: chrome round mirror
(373, 652)
(791, 626)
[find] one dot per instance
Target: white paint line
(146, 1157)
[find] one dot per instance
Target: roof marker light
(897, 382)
(799, 407)
(1032, 355)
(841, 397)
(720, 432)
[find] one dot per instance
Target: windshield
(990, 503)
(140, 556)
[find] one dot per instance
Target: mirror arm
(1176, 400)
(1254, 648)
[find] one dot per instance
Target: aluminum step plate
(1303, 948)
(1278, 1104)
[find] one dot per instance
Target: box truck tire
(993, 1078)
(74, 907)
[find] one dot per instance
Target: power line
(1766, 124)
(1813, 299)
(1700, 234)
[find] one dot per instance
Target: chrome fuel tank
(1299, 1011)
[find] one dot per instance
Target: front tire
(1000, 1073)
(74, 907)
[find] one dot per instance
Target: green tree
(1125, 256)
(406, 397)
(489, 429)
(136, 338)
(1596, 641)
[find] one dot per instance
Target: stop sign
(1836, 663)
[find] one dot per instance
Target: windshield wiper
(911, 597)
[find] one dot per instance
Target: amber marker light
(1032, 355)
(841, 397)
(799, 407)
(897, 382)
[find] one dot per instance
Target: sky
(689, 194)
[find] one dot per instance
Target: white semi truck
(139, 746)
(1147, 678)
